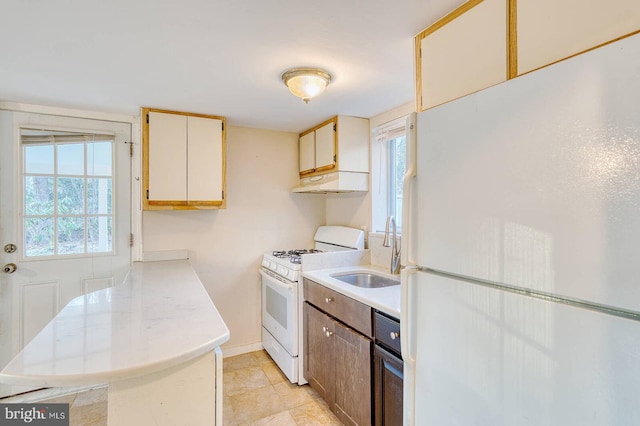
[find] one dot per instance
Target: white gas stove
(282, 296)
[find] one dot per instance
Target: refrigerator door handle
(406, 242)
(408, 340)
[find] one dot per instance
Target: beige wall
(262, 215)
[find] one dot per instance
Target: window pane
(99, 234)
(38, 159)
(70, 196)
(71, 159)
(70, 235)
(38, 236)
(99, 158)
(38, 195)
(98, 196)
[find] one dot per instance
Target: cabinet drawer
(356, 314)
(387, 331)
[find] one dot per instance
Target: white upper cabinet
(551, 30)
(184, 161)
(338, 144)
(485, 42)
(462, 53)
(204, 168)
(308, 153)
(167, 157)
(326, 147)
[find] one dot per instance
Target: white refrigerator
(521, 247)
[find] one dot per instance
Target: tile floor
(88, 408)
(255, 393)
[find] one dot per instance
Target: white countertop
(385, 299)
(161, 316)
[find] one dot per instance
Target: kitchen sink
(366, 280)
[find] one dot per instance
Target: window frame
(91, 137)
(383, 140)
(392, 180)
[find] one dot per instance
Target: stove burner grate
(294, 255)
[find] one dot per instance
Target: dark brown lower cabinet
(388, 377)
(337, 365)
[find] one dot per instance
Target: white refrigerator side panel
(536, 182)
(488, 357)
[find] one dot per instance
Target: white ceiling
(211, 56)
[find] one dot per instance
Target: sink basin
(366, 280)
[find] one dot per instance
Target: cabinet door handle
(329, 333)
(328, 299)
(324, 329)
(394, 335)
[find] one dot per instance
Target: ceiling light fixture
(306, 83)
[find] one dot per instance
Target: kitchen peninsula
(154, 340)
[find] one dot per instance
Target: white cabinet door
(167, 156)
(184, 162)
(326, 147)
(551, 30)
(205, 161)
(467, 54)
(307, 153)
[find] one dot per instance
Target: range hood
(334, 182)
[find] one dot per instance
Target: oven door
(280, 309)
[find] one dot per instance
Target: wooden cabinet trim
(180, 204)
(512, 39)
(189, 114)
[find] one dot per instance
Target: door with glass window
(64, 218)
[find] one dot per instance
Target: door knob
(9, 268)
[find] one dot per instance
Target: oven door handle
(288, 285)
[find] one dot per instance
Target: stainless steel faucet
(395, 251)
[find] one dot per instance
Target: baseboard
(242, 349)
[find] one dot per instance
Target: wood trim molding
(190, 114)
(512, 39)
(449, 17)
(145, 158)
